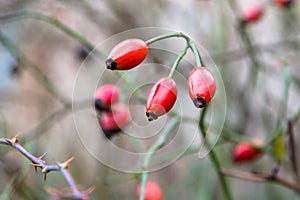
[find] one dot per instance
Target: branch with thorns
(38, 162)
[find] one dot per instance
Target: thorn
(89, 190)
(66, 164)
(42, 156)
(45, 176)
(8, 140)
(15, 139)
(35, 166)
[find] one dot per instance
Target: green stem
(158, 144)
(176, 63)
(213, 157)
(189, 41)
(247, 42)
(37, 73)
(55, 22)
(285, 93)
(282, 112)
(162, 37)
(249, 46)
(70, 32)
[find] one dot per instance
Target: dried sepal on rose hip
(252, 14)
(105, 96)
(152, 191)
(112, 122)
(246, 152)
(201, 86)
(161, 98)
(127, 54)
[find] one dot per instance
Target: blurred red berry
(127, 54)
(244, 152)
(202, 86)
(152, 191)
(253, 14)
(112, 122)
(284, 3)
(161, 98)
(105, 96)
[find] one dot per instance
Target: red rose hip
(201, 86)
(152, 191)
(105, 96)
(112, 122)
(253, 14)
(161, 98)
(244, 152)
(127, 54)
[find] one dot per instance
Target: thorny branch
(38, 162)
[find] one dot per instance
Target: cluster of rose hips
(253, 14)
(112, 115)
(162, 96)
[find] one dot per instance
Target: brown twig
(293, 156)
(262, 177)
(38, 162)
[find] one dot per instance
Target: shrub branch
(38, 162)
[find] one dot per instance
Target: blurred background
(41, 67)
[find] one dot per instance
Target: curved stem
(213, 157)
(55, 22)
(189, 41)
(158, 144)
(35, 70)
(162, 37)
(199, 61)
(177, 61)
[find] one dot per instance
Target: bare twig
(262, 177)
(38, 162)
(293, 151)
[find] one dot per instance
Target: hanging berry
(202, 86)
(105, 96)
(253, 14)
(112, 122)
(161, 98)
(284, 3)
(127, 54)
(152, 191)
(244, 152)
